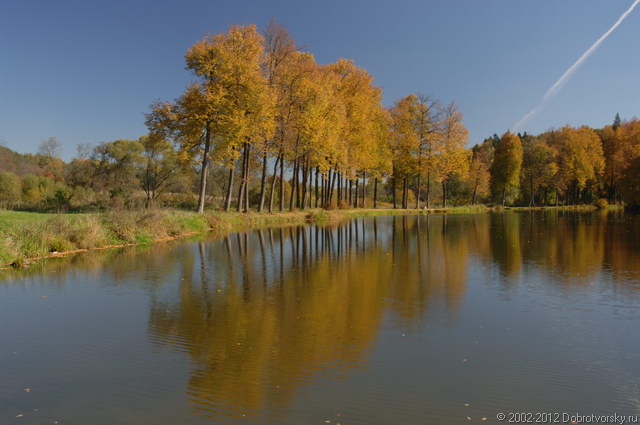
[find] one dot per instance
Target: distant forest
(264, 127)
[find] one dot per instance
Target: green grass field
(9, 219)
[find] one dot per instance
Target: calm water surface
(388, 320)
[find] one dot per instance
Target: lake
(429, 319)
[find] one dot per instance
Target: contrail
(555, 88)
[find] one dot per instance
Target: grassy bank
(25, 236)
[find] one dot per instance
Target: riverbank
(27, 236)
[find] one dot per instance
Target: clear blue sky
(86, 71)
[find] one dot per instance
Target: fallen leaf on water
(27, 390)
(484, 419)
(468, 418)
(44, 296)
(467, 404)
(20, 415)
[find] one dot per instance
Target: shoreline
(60, 235)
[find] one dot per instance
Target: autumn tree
(229, 105)
(620, 144)
(450, 156)
(478, 177)
(580, 161)
(280, 49)
(382, 166)
(359, 99)
(404, 143)
(49, 158)
(539, 167)
(506, 166)
(622, 150)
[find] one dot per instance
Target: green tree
(617, 121)
(10, 189)
(117, 165)
(159, 166)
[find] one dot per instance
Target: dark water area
(379, 320)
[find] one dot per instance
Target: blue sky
(86, 71)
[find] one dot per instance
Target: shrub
(601, 204)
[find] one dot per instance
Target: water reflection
(260, 315)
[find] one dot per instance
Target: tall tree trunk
(281, 181)
(273, 183)
(539, 196)
(444, 194)
(504, 195)
(532, 192)
(293, 184)
(246, 183)
(355, 204)
(310, 188)
(303, 202)
(418, 194)
(317, 172)
(243, 180)
(364, 189)
(333, 184)
(299, 183)
(375, 193)
(204, 170)
(393, 188)
(427, 201)
(322, 190)
(475, 192)
(227, 201)
(327, 197)
(404, 193)
(345, 190)
(263, 183)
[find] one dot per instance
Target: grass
(9, 219)
(27, 235)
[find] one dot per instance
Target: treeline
(567, 166)
(264, 127)
(261, 103)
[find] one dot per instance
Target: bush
(601, 204)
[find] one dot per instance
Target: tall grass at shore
(25, 236)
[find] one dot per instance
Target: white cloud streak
(555, 88)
